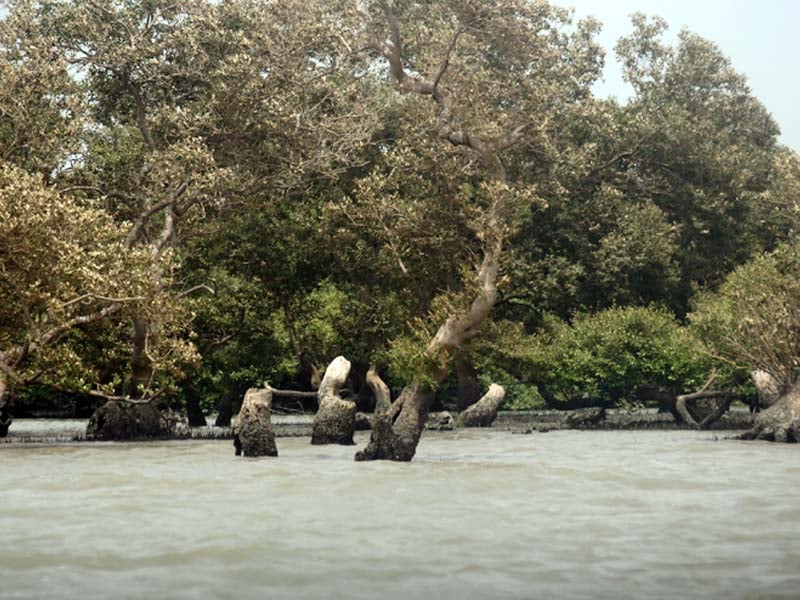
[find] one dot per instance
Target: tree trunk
(396, 432)
(5, 405)
(335, 421)
(225, 406)
(397, 426)
(252, 434)
(193, 409)
(141, 367)
(469, 390)
(780, 422)
(484, 411)
(306, 370)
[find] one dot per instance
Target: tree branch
(383, 398)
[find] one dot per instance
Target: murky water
(477, 515)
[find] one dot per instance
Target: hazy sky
(761, 37)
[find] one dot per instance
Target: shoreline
(58, 431)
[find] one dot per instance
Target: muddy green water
(478, 514)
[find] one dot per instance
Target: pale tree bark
(484, 411)
(781, 421)
(767, 387)
(335, 420)
(252, 434)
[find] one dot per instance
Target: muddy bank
(615, 419)
(63, 431)
(48, 431)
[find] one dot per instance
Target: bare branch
(102, 298)
(383, 398)
(197, 288)
(290, 393)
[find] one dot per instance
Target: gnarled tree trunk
(484, 411)
(396, 426)
(780, 422)
(396, 430)
(335, 421)
(252, 434)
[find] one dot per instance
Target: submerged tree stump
(484, 411)
(335, 421)
(396, 426)
(121, 421)
(252, 433)
(440, 421)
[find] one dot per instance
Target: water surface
(478, 514)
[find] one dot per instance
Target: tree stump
(252, 433)
(335, 421)
(484, 411)
(121, 421)
(441, 421)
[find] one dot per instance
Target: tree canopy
(212, 195)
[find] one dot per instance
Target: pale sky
(761, 37)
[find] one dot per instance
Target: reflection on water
(477, 515)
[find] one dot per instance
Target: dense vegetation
(196, 197)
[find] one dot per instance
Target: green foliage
(608, 355)
(63, 264)
(753, 321)
(251, 152)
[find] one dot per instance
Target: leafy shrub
(607, 356)
(753, 321)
